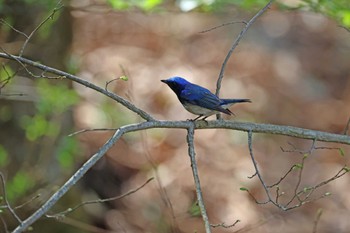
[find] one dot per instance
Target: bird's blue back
(200, 96)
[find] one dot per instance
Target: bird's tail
(233, 101)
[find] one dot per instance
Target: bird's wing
(202, 97)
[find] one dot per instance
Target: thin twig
(346, 130)
(283, 177)
(108, 82)
(301, 169)
(222, 25)
(4, 224)
(8, 206)
(235, 44)
(192, 154)
(57, 8)
(27, 202)
(223, 225)
(16, 58)
(23, 61)
(14, 29)
(317, 220)
(91, 130)
(69, 210)
(250, 147)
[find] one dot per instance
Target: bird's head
(177, 84)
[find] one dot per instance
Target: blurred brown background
(294, 66)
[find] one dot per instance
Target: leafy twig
(302, 196)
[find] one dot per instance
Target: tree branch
(241, 126)
(192, 154)
(83, 82)
(7, 204)
(69, 210)
(235, 44)
(57, 8)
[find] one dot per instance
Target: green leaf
(298, 166)
(195, 210)
(243, 189)
(6, 72)
(124, 78)
(341, 152)
(307, 189)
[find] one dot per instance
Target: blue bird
(199, 100)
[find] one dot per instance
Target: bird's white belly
(197, 110)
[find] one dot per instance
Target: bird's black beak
(164, 81)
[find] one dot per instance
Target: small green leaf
(347, 169)
(124, 78)
(306, 155)
(297, 166)
(195, 210)
(306, 189)
(328, 194)
(6, 72)
(341, 152)
(243, 189)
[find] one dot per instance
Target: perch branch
(241, 126)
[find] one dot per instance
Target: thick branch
(241, 126)
(289, 131)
